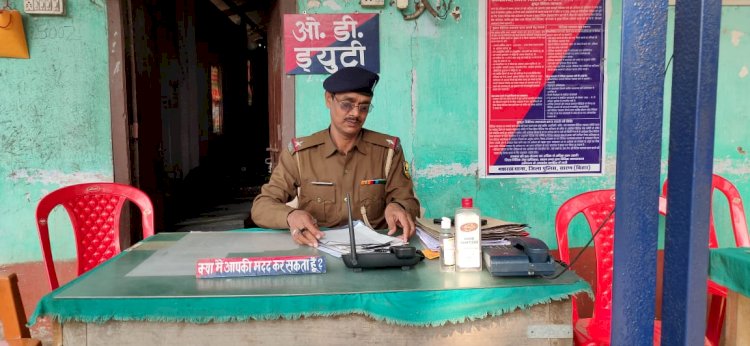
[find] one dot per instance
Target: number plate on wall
(44, 7)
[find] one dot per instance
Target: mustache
(351, 119)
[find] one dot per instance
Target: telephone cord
(566, 267)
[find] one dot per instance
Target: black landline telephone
(397, 256)
(525, 256)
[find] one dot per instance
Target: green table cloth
(730, 267)
(120, 289)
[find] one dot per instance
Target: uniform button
(318, 199)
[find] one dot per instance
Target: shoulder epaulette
(302, 143)
(381, 139)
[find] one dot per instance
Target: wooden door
(281, 124)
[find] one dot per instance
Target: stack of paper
(505, 230)
(493, 232)
(428, 240)
(336, 241)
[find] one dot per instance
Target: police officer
(320, 169)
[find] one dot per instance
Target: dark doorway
(198, 111)
(216, 194)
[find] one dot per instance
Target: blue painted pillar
(639, 133)
(691, 148)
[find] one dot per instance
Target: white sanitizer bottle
(468, 225)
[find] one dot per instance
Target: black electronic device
(525, 256)
(403, 256)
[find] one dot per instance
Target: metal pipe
(691, 148)
(639, 133)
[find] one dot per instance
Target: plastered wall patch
(55, 177)
(736, 36)
(313, 4)
(728, 167)
(332, 5)
(454, 169)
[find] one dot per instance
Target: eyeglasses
(347, 106)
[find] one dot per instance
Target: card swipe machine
(525, 256)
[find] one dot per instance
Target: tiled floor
(223, 217)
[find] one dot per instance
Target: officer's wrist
(289, 214)
(398, 204)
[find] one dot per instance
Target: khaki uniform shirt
(325, 175)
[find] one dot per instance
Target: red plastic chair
(94, 211)
(717, 292)
(595, 206)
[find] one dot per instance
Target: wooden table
(111, 305)
(730, 267)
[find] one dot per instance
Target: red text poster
(544, 88)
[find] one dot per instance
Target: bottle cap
(445, 223)
(467, 203)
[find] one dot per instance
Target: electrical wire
(668, 63)
(567, 267)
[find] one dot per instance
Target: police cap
(351, 79)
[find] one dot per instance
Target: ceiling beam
(244, 19)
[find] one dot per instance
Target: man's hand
(396, 216)
(304, 228)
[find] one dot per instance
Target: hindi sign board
(323, 43)
(259, 266)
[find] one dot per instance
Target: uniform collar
(329, 148)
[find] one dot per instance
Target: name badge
(322, 183)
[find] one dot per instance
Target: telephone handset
(534, 248)
(525, 256)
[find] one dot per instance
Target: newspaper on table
(494, 232)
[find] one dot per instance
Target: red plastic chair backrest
(736, 212)
(94, 210)
(595, 206)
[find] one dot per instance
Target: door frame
(281, 91)
(281, 87)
